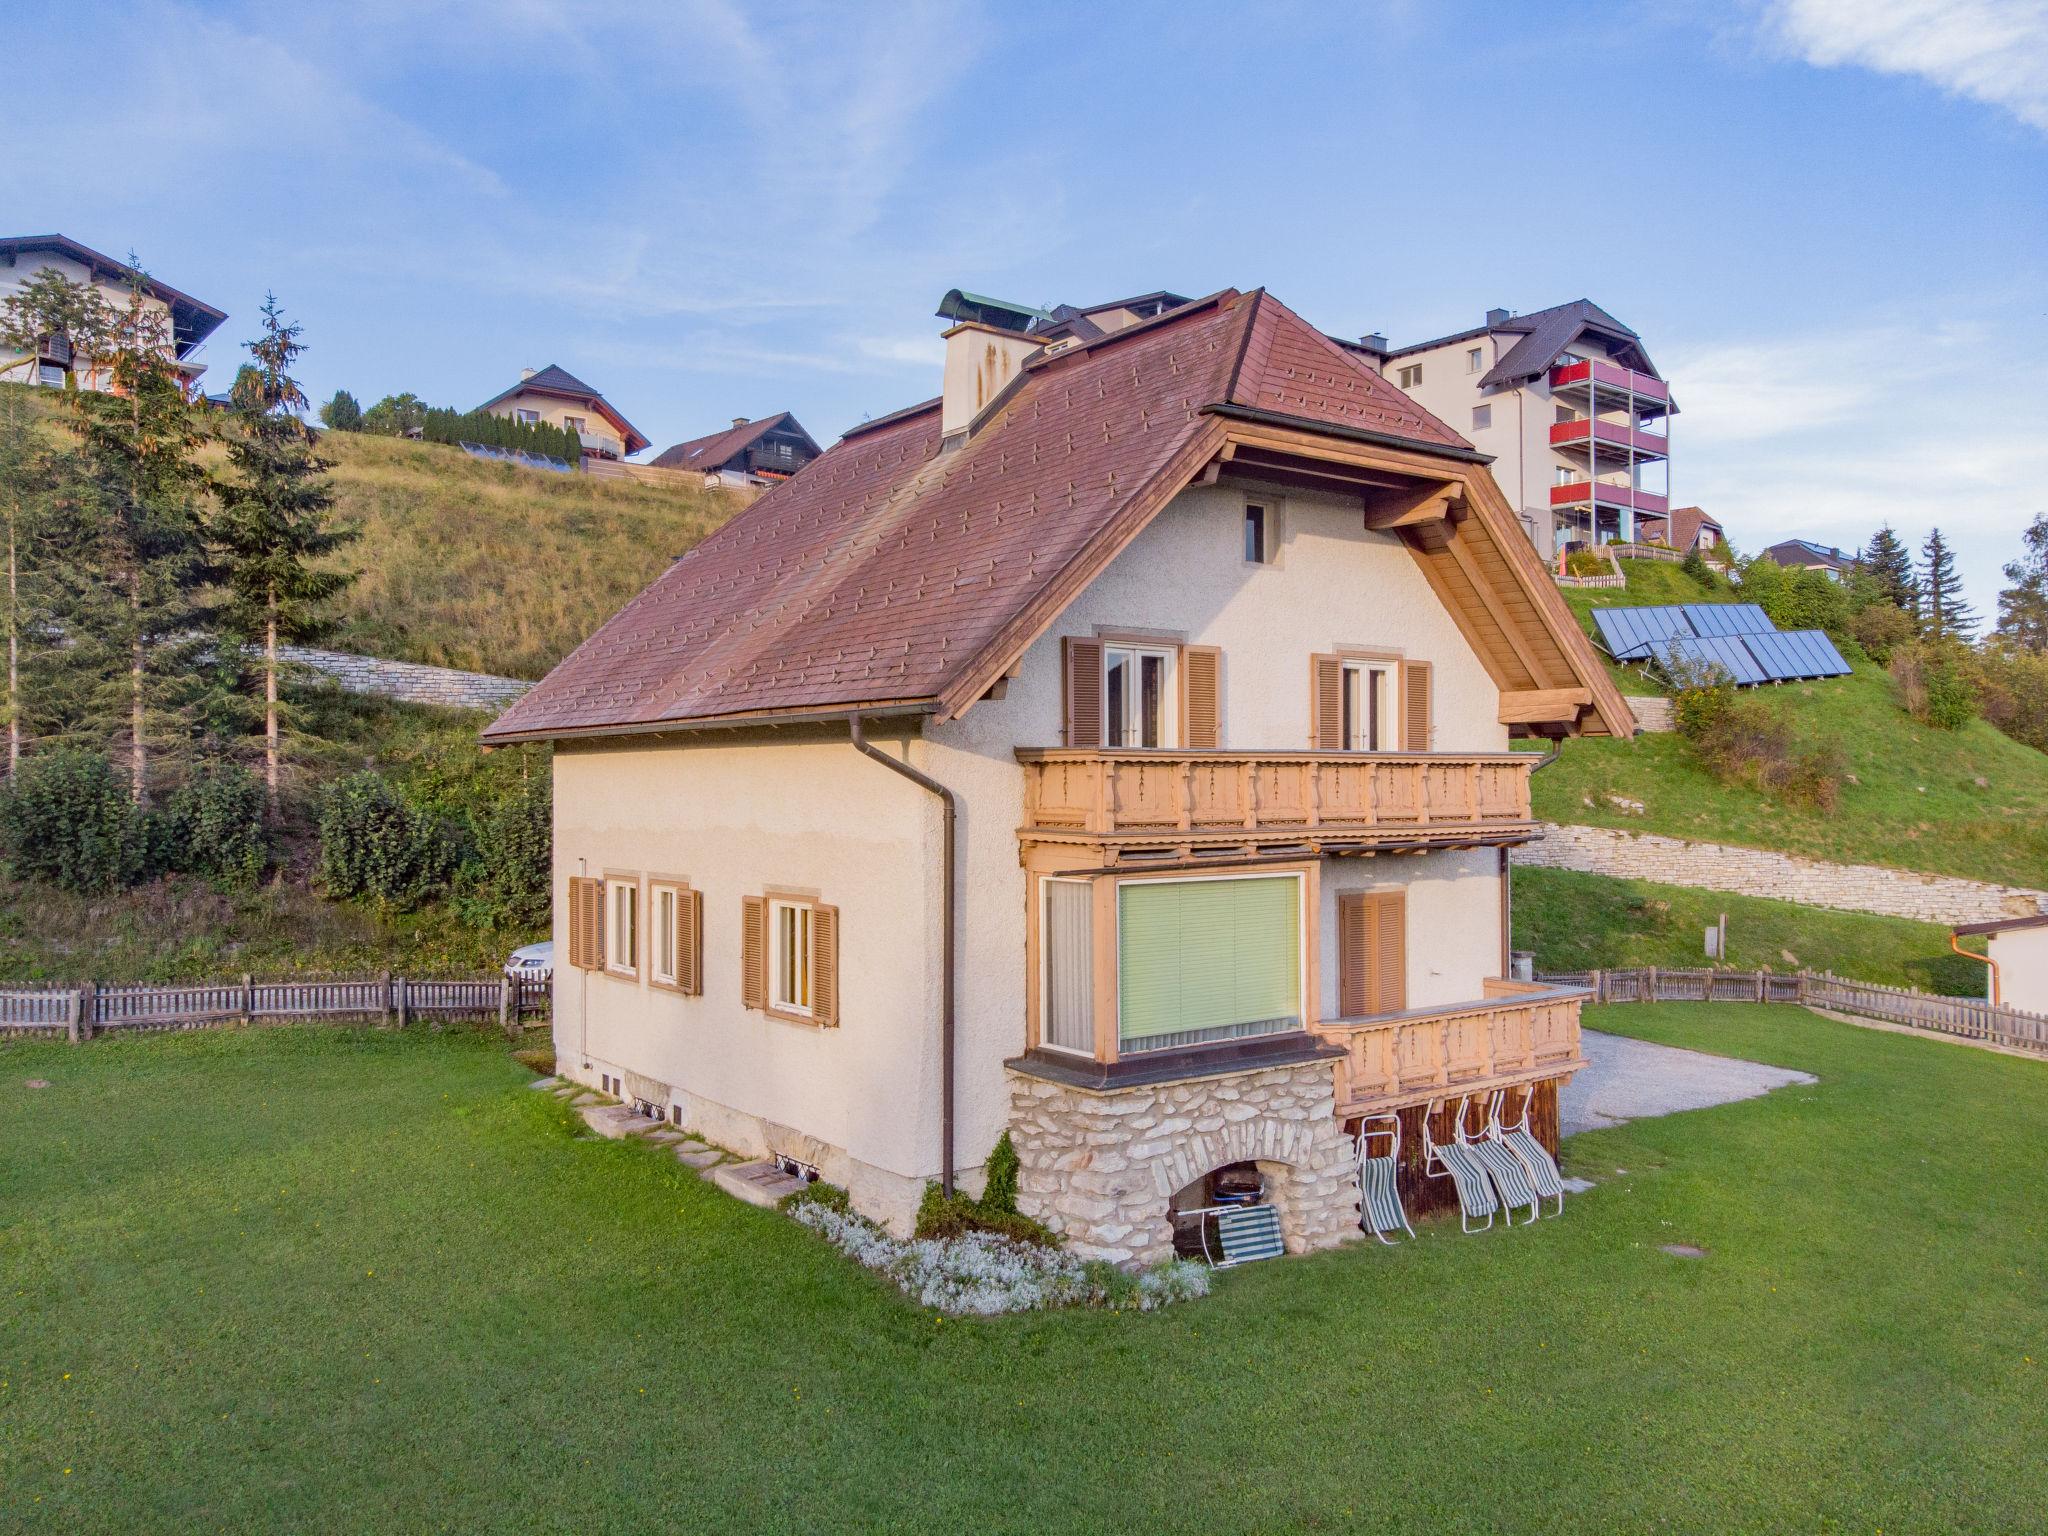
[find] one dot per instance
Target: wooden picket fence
(1967, 1018)
(80, 1013)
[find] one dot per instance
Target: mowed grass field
(299, 1280)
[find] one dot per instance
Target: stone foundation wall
(1780, 876)
(1100, 1167)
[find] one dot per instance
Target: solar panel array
(1737, 638)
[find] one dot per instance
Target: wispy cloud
(1829, 434)
(1992, 51)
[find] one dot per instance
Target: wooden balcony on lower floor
(1519, 1033)
(1144, 799)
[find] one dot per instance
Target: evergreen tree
(28, 474)
(1889, 564)
(344, 413)
(273, 523)
(2023, 606)
(130, 570)
(1943, 613)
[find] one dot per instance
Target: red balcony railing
(1602, 494)
(1609, 378)
(1609, 435)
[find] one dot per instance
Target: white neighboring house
(2018, 950)
(187, 321)
(1113, 751)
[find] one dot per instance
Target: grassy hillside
(491, 567)
(1972, 802)
(1575, 922)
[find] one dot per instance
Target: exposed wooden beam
(1416, 505)
(1489, 594)
(1532, 706)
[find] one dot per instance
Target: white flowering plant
(984, 1274)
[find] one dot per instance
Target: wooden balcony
(1519, 1033)
(1137, 800)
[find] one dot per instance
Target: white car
(532, 962)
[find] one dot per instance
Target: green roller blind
(1207, 955)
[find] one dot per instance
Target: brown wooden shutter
(1414, 706)
(1354, 957)
(1202, 715)
(690, 941)
(575, 923)
(1326, 704)
(1391, 950)
(825, 965)
(1372, 953)
(753, 952)
(586, 922)
(1083, 691)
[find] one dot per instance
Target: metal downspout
(1956, 944)
(951, 807)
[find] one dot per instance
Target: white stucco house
(2016, 949)
(185, 322)
(1113, 750)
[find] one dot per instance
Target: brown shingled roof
(714, 450)
(887, 575)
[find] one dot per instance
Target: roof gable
(1546, 333)
(561, 383)
(715, 450)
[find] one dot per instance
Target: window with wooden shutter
(1202, 714)
(1415, 705)
(675, 936)
(1372, 953)
(690, 942)
(586, 922)
(754, 952)
(825, 965)
(1083, 691)
(1326, 704)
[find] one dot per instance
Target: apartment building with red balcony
(1568, 404)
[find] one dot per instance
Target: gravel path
(1627, 1080)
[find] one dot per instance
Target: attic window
(1258, 535)
(1475, 359)
(1411, 376)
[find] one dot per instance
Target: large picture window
(1207, 959)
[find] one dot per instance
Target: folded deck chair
(1243, 1233)
(1510, 1175)
(1519, 1139)
(1379, 1193)
(1460, 1164)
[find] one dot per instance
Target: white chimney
(980, 361)
(739, 421)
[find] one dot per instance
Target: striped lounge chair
(1519, 1139)
(1379, 1194)
(1457, 1162)
(1503, 1165)
(1244, 1233)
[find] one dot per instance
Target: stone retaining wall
(409, 682)
(1100, 1167)
(1780, 876)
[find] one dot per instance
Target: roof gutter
(1351, 434)
(714, 723)
(950, 808)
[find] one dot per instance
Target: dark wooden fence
(79, 1013)
(1967, 1018)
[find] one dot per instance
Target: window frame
(1409, 375)
(772, 958)
(683, 937)
(1475, 359)
(526, 415)
(1268, 513)
(1305, 891)
(1045, 988)
(1383, 714)
(617, 889)
(1138, 650)
(1482, 417)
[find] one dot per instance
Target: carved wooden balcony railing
(1156, 799)
(1520, 1033)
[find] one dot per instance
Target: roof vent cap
(527, 373)
(739, 421)
(1374, 340)
(1495, 318)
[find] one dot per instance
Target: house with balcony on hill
(556, 396)
(185, 322)
(1567, 403)
(1113, 750)
(745, 454)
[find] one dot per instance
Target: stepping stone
(699, 1156)
(544, 1082)
(1683, 1250)
(614, 1122)
(760, 1183)
(1578, 1186)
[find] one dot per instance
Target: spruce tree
(1943, 613)
(2023, 606)
(130, 576)
(1889, 564)
(273, 524)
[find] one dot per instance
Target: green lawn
(1576, 921)
(1972, 802)
(286, 1280)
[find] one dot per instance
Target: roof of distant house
(892, 576)
(1805, 551)
(715, 450)
(564, 385)
(191, 320)
(2002, 925)
(1543, 335)
(1683, 525)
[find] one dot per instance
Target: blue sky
(1827, 218)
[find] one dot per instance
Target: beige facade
(19, 368)
(597, 433)
(797, 809)
(2021, 955)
